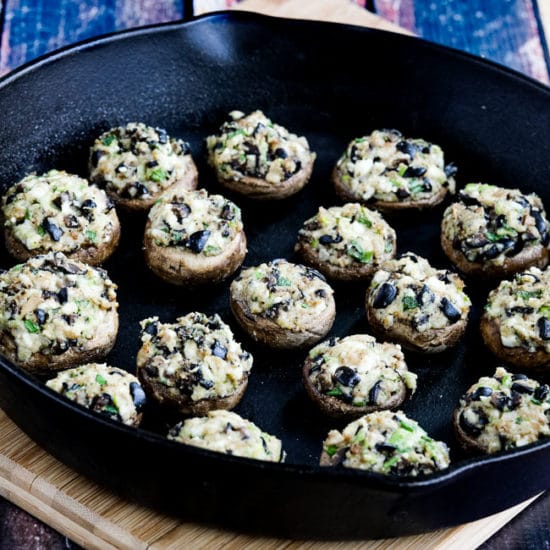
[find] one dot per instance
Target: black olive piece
(518, 246)
(468, 200)
(385, 448)
(104, 404)
(425, 296)
(444, 277)
(197, 240)
(181, 211)
(121, 168)
(96, 155)
(71, 222)
(347, 376)
(419, 321)
(227, 212)
(280, 153)
(138, 396)
(151, 371)
(314, 369)
(60, 199)
(506, 243)
(501, 401)
(450, 170)
(273, 311)
(219, 350)
(415, 171)
(521, 388)
(492, 252)
(385, 296)
(402, 193)
(151, 328)
(41, 316)
(544, 328)
(541, 393)
(521, 309)
(63, 295)
(449, 310)
(314, 274)
(353, 154)
(88, 204)
(426, 185)
(374, 392)
(503, 441)
(515, 399)
(332, 341)
(152, 164)
(528, 237)
(321, 292)
(163, 136)
(11, 198)
(141, 189)
(297, 166)
(470, 428)
(482, 391)
(406, 147)
(519, 377)
(540, 224)
(477, 241)
(206, 384)
(328, 239)
(53, 230)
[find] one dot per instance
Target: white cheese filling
(256, 147)
(349, 235)
(226, 432)
(283, 292)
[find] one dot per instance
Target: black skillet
(331, 83)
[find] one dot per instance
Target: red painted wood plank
(32, 27)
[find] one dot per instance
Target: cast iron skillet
(332, 83)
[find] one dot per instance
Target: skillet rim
(318, 473)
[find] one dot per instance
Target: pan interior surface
(330, 83)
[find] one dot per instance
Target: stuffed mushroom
(253, 156)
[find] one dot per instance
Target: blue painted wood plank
(32, 27)
(505, 31)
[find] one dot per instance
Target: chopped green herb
(107, 140)
(158, 201)
(157, 175)
(283, 281)
(40, 230)
(314, 243)
(331, 450)
(545, 310)
(111, 409)
(389, 463)
(305, 306)
(242, 157)
(335, 392)
(355, 250)
(100, 380)
(359, 438)
(416, 187)
(91, 235)
(360, 403)
(388, 247)
(211, 250)
(402, 169)
(27, 214)
(239, 132)
(258, 275)
(409, 302)
(536, 401)
(406, 426)
(346, 178)
(32, 327)
(493, 237)
(364, 220)
(395, 182)
(527, 294)
(17, 267)
(519, 420)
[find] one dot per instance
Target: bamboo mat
(94, 517)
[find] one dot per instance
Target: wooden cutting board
(94, 517)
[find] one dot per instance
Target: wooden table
(508, 32)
